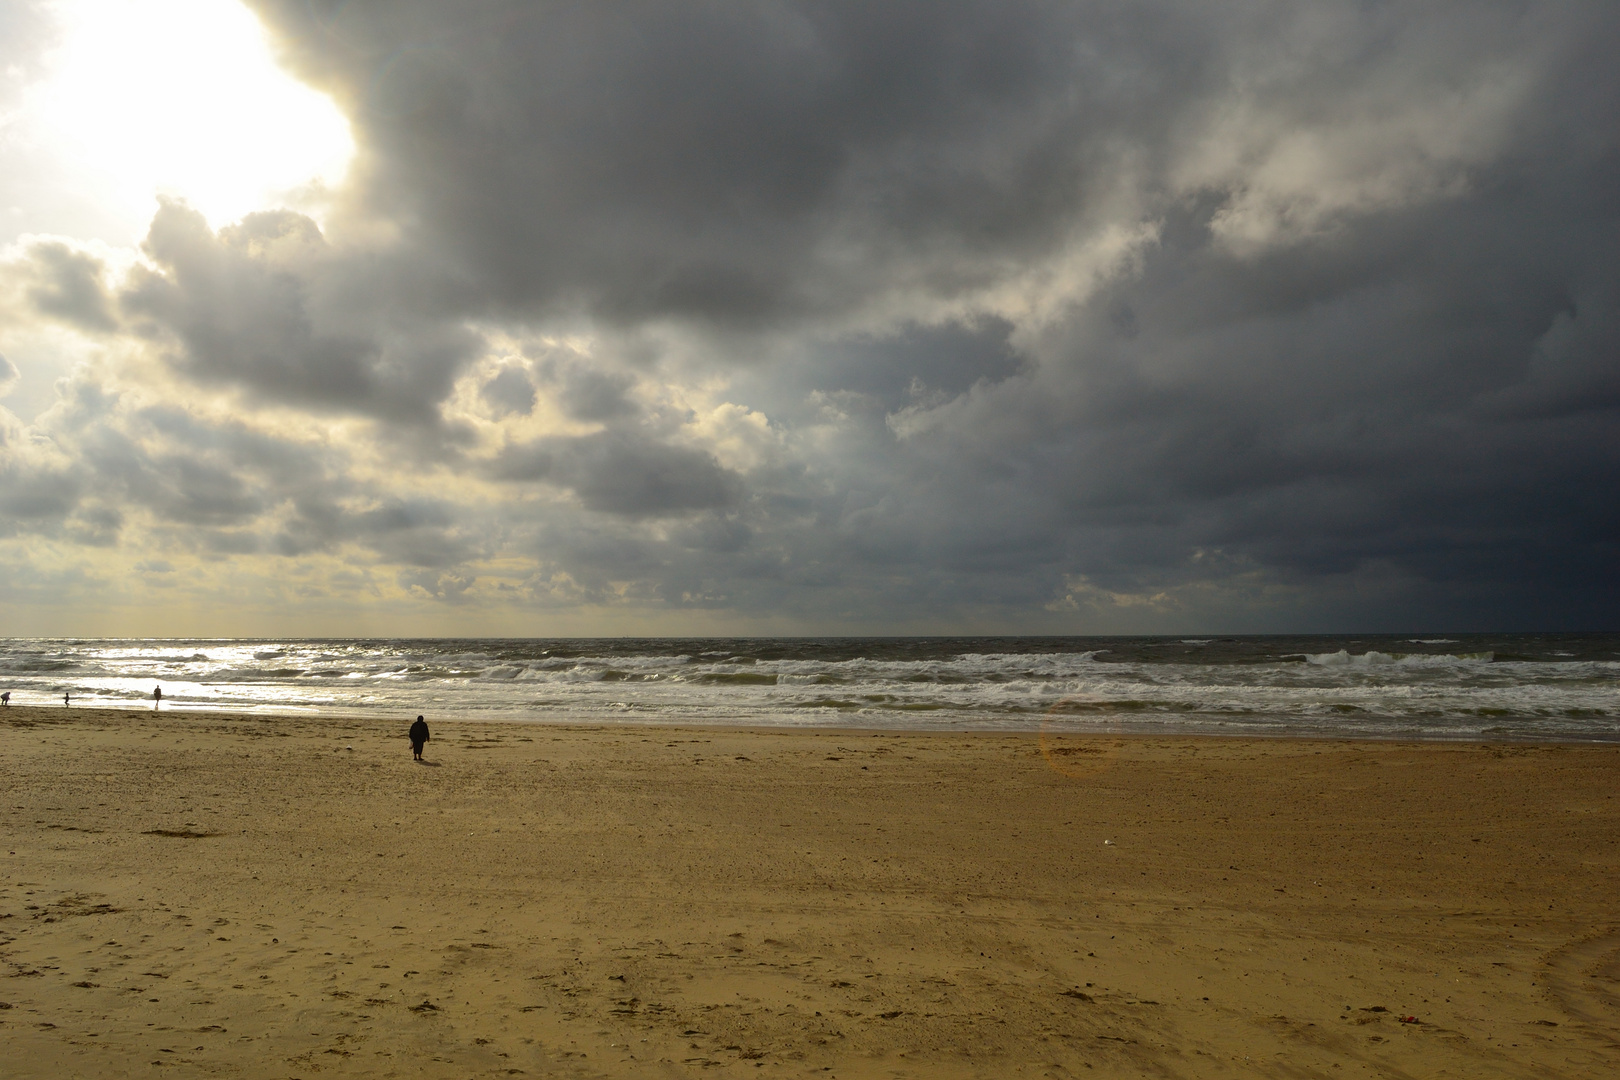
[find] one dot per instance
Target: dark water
(1426, 685)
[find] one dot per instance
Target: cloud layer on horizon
(865, 317)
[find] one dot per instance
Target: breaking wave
(1461, 686)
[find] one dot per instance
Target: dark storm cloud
(625, 473)
(215, 487)
(1254, 315)
(39, 485)
(422, 533)
(268, 306)
(1385, 396)
(586, 394)
(580, 388)
(187, 474)
(447, 587)
(913, 362)
(740, 162)
(510, 391)
(33, 497)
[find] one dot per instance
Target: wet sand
(254, 896)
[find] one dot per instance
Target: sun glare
(183, 98)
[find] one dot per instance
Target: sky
(790, 317)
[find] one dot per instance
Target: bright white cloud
(180, 98)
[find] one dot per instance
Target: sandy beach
(222, 895)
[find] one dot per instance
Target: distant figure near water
(66, 700)
(5, 698)
(157, 697)
(419, 738)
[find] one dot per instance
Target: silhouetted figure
(5, 698)
(157, 697)
(66, 700)
(419, 738)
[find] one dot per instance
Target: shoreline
(591, 723)
(274, 895)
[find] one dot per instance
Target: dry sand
(255, 896)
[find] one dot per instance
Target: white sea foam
(1524, 686)
(1343, 658)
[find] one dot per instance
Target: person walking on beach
(5, 698)
(419, 738)
(66, 701)
(157, 697)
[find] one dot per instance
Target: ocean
(1427, 686)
